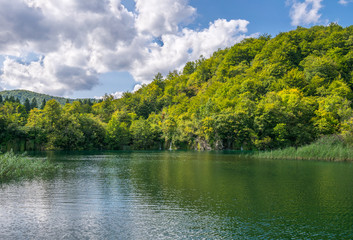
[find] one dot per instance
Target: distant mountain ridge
(23, 94)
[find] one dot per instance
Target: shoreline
(317, 151)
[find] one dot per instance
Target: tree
(189, 68)
(12, 119)
(169, 129)
(285, 118)
(43, 104)
(52, 114)
(93, 131)
(27, 105)
(66, 133)
(262, 93)
(142, 134)
(105, 109)
(34, 103)
(36, 130)
(118, 133)
(332, 111)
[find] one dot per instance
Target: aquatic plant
(17, 167)
(329, 148)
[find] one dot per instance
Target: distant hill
(23, 94)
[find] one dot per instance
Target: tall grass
(329, 148)
(17, 167)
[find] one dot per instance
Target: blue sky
(78, 48)
(271, 16)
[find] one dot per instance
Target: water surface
(180, 195)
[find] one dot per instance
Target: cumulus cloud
(81, 39)
(20, 24)
(137, 87)
(186, 46)
(43, 76)
(306, 12)
(117, 95)
(159, 17)
(77, 39)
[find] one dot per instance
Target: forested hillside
(22, 95)
(263, 93)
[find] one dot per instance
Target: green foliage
(284, 118)
(34, 103)
(16, 167)
(69, 128)
(143, 135)
(42, 106)
(263, 93)
(27, 105)
(104, 109)
(118, 134)
(329, 148)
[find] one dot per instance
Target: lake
(180, 195)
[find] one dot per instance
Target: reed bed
(17, 167)
(328, 149)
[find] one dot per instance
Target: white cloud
(344, 2)
(137, 87)
(81, 39)
(44, 76)
(187, 46)
(158, 17)
(120, 94)
(76, 38)
(117, 95)
(20, 24)
(306, 12)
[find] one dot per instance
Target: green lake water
(180, 195)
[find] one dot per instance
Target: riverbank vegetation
(263, 93)
(330, 148)
(16, 167)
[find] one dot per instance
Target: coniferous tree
(0, 99)
(43, 104)
(27, 105)
(34, 103)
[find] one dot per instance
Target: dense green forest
(262, 93)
